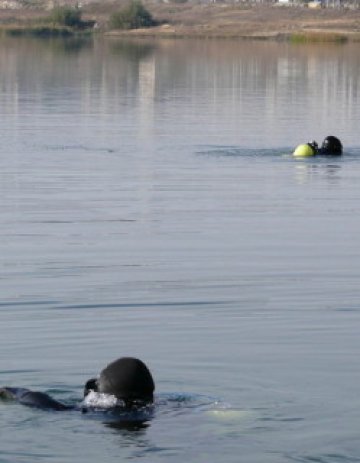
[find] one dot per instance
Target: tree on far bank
(133, 16)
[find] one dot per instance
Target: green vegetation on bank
(69, 17)
(37, 31)
(133, 16)
(312, 37)
(65, 16)
(62, 21)
(66, 21)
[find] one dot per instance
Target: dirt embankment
(261, 21)
(218, 20)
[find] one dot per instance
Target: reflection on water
(293, 93)
(305, 172)
(128, 427)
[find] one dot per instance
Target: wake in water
(351, 153)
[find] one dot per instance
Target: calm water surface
(149, 207)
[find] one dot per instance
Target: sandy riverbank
(261, 22)
(222, 20)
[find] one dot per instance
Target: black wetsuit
(43, 401)
(32, 398)
(126, 378)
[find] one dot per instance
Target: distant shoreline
(256, 22)
(187, 20)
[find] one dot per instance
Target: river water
(149, 207)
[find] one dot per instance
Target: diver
(331, 146)
(126, 379)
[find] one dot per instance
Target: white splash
(100, 400)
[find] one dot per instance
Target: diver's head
(128, 379)
(331, 145)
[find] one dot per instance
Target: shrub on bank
(66, 16)
(133, 16)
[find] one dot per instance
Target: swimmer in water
(127, 379)
(331, 146)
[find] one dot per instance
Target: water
(149, 207)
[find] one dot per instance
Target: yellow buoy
(304, 150)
